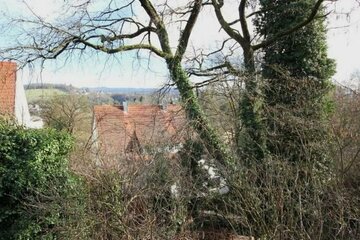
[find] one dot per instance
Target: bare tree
(66, 112)
(146, 26)
(122, 26)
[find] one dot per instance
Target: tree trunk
(195, 114)
(250, 105)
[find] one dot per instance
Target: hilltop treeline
(61, 87)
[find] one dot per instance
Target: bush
(35, 182)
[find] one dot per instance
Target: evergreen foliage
(34, 180)
(297, 71)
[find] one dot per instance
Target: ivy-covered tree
(251, 138)
(297, 74)
(122, 26)
(148, 26)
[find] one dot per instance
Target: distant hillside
(61, 87)
(123, 90)
(35, 95)
(109, 90)
(42, 91)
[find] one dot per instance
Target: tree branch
(225, 25)
(123, 48)
(184, 38)
(130, 35)
(160, 26)
(243, 22)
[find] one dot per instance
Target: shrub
(35, 182)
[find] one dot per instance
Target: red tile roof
(7, 88)
(148, 124)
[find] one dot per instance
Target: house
(13, 103)
(134, 132)
(138, 129)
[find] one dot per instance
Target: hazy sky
(343, 42)
(344, 38)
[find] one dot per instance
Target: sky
(126, 71)
(344, 39)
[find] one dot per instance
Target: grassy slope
(34, 95)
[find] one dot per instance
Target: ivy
(297, 74)
(33, 171)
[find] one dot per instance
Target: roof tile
(151, 125)
(7, 88)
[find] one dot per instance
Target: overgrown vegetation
(36, 185)
(275, 155)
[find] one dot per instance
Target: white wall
(22, 113)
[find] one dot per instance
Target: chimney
(163, 105)
(125, 106)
